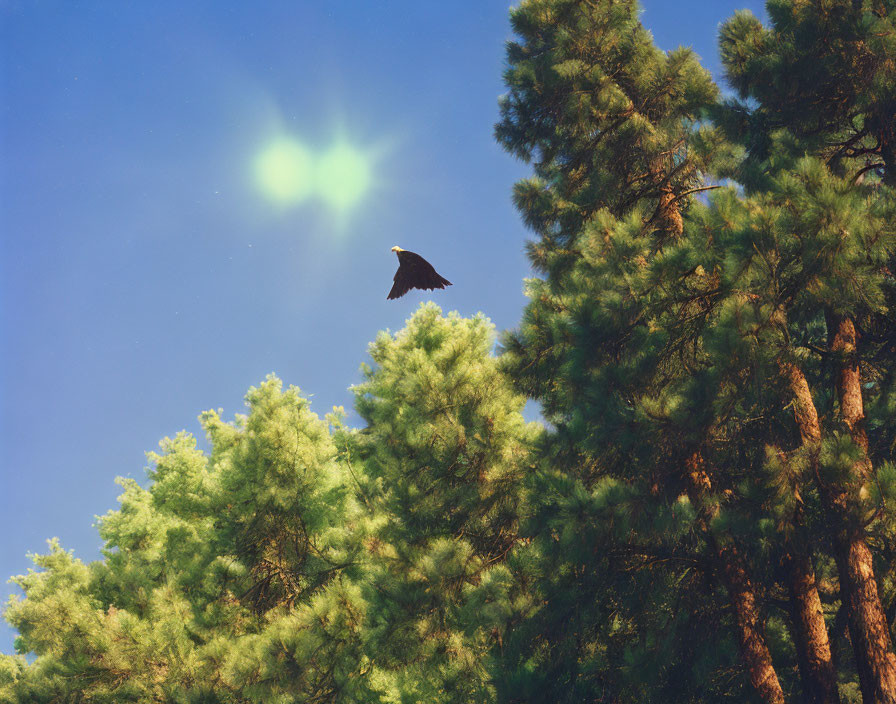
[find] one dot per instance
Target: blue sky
(145, 277)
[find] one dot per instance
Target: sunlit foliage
(705, 516)
(299, 560)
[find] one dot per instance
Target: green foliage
(445, 432)
(648, 342)
(296, 563)
(824, 71)
(447, 551)
(604, 116)
(281, 504)
(443, 452)
(226, 580)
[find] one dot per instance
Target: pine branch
(813, 348)
(869, 167)
(695, 190)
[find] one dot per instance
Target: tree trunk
(741, 590)
(810, 633)
(669, 216)
(741, 593)
(886, 133)
(868, 626)
(668, 213)
(858, 587)
(849, 385)
(809, 629)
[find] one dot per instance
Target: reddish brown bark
(808, 629)
(867, 624)
(752, 640)
(669, 216)
(755, 651)
(810, 633)
(741, 590)
(668, 213)
(741, 593)
(804, 411)
(849, 385)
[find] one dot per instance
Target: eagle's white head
(397, 249)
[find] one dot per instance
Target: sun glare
(343, 176)
(288, 173)
(284, 171)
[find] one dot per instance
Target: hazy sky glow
(194, 195)
(284, 171)
(288, 173)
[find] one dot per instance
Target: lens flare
(284, 171)
(343, 176)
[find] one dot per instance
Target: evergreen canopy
(707, 513)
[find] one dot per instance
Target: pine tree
(708, 515)
(667, 340)
(823, 86)
(440, 464)
(294, 563)
(229, 579)
(825, 73)
(610, 342)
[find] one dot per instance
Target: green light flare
(343, 176)
(284, 171)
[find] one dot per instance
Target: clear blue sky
(144, 276)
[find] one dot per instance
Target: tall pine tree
(440, 464)
(609, 122)
(662, 342)
(822, 86)
(229, 579)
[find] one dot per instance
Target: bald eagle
(414, 272)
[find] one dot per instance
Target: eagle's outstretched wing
(415, 272)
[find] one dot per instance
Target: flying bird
(414, 272)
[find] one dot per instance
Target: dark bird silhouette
(414, 272)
